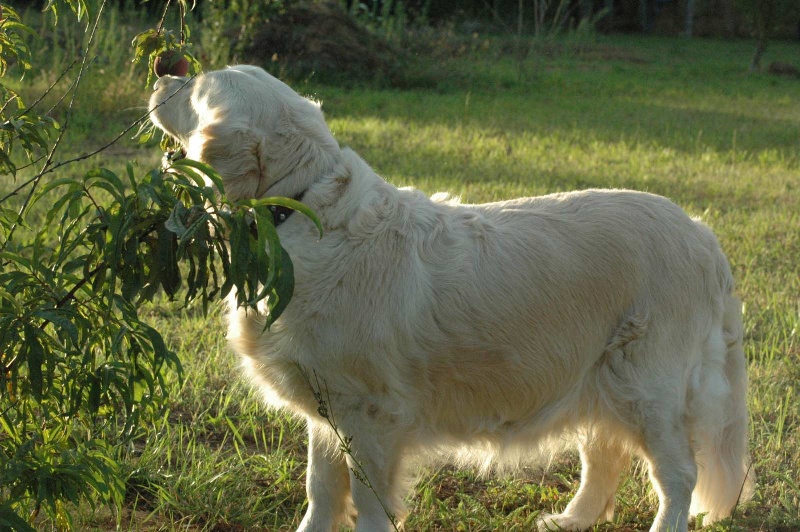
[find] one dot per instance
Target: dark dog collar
(280, 213)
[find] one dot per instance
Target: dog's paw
(565, 521)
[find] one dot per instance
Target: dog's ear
(301, 147)
(237, 153)
(283, 151)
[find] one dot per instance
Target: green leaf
(131, 271)
(267, 239)
(201, 218)
(207, 170)
(289, 203)
(10, 519)
(162, 354)
(106, 179)
(61, 320)
(35, 361)
(175, 221)
(239, 250)
(284, 289)
(8, 296)
(129, 173)
(169, 273)
(61, 181)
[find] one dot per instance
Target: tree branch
(48, 91)
(47, 169)
(51, 155)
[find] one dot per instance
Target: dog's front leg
(374, 452)
(327, 482)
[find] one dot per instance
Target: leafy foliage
(231, 24)
(153, 42)
(80, 369)
(17, 124)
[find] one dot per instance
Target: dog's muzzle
(171, 156)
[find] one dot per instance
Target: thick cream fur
(486, 334)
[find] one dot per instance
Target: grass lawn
(677, 117)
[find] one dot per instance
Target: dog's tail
(724, 475)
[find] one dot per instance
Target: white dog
(483, 333)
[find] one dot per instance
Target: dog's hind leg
(327, 483)
(602, 464)
(648, 393)
(666, 445)
(658, 414)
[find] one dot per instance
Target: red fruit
(171, 63)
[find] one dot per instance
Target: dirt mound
(783, 69)
(321, 39)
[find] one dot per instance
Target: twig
(163, 17)
(30, 108)
(741, 490)
(71, 294)
(497, 16)
(3, 109)
(71, 87)
(182, 11)
(48, 91)
(23, 167)
(6, 367)
(34, 162)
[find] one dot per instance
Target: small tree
(764, 16)
(80, 369)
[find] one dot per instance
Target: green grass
(676, 117)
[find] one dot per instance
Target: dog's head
(260, 135)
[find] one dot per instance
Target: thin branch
(71, 294)
(497, 16)
(23, 167)
(118, 137)
(163, 17)
(71, 87)
(49, 169)
(182, 11)
(3, 109)
(48, 91)
(47, 114)
(6, 367)
(56, 144)
(741, 490)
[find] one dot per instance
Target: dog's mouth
(172, 156)
(177, 155)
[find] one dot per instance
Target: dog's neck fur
(339, 196)
(291, 181)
